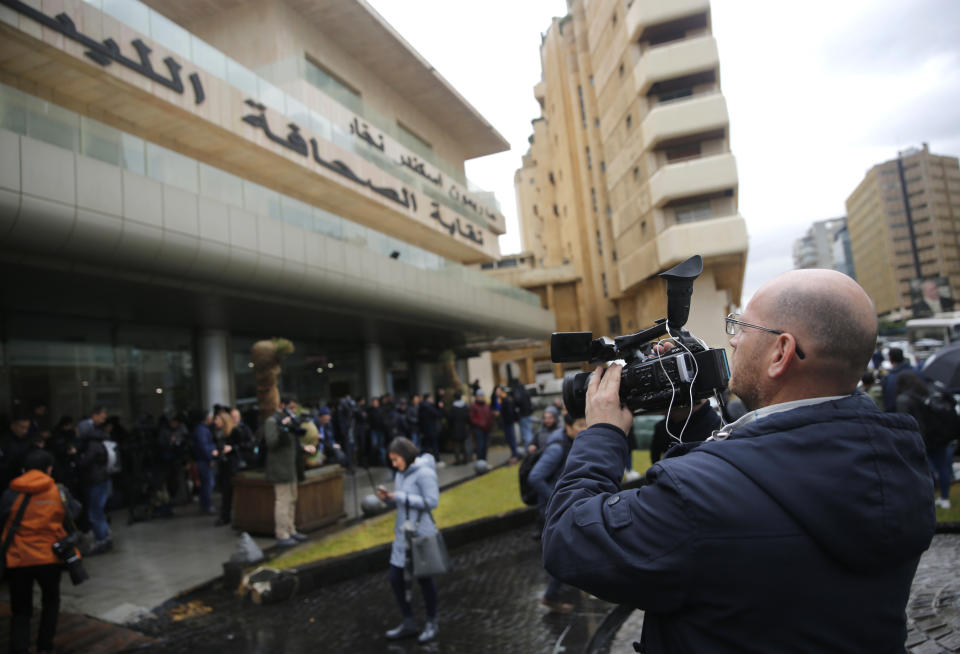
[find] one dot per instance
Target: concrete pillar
(216, 373)
(373, 366)
(423, 377)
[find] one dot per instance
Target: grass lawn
(953, 513)
(491, 494)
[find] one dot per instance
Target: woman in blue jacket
(416, 490)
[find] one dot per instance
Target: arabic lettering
(475, 235)
(365, 134)
(419, 168)
(108, 51)
(404, 198)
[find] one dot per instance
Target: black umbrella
(944, 367)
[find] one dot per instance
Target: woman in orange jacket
(30, 555)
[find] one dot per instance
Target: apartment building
(815, 249)
(904, 222)
(179, 179)
(629, 172)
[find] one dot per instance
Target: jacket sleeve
(630, 547)
(430, 497)
(545, 468)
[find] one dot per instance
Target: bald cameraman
(798, 528)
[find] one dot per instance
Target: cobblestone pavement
(490, 603)
(933, 612)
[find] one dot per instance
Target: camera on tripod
(649, 382)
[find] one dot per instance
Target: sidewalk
(157, 560)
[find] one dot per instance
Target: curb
(948, 528)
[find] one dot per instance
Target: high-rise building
(904, 222)
(815, 248)
(629, 171)
(179, 179)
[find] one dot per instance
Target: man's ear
(782, 355)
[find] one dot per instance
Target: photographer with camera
(36, 547)
(282, 437)
(796, 528)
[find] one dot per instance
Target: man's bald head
(830, 315)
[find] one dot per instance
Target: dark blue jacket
(203, 443)
(546, 470)
(799, 533)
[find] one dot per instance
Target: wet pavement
(489, 603)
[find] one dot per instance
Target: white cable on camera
(673, 394)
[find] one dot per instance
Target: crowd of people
(158, 464)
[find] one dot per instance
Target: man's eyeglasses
(733, 324)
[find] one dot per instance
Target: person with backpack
(543, 477)
(937, 417)
(32, 511)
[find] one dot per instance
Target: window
(668, 96)
(614, 18)
(591, 80)
(693, 212)
(556, 211)
(550, 177)
(643, 227)
(603, 279)
(535, 212)
(599, 243)
(583, 113)
(596, 123)
(622, 70)
(603, 166)
(531, 181)
(613, 325)
(613, 253)
(636, 173)
(629, 121)
(593, 198)
(683, 152)
(332, 84)
(413, 140)
(589, 161)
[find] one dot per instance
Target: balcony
(714, 238)
(679, 59)
(653, 12)
(678, 119)
(693, 178)
(540, 92)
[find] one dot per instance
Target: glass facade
(75, 365)
(25, 114)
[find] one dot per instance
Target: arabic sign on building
(108, 51)
(443, 212)
(295, 142)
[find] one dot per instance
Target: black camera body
(649, 382)
(66, 551)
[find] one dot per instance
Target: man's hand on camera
(603, 399)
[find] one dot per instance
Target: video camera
(649, 381)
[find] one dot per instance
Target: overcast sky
(817, 93)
